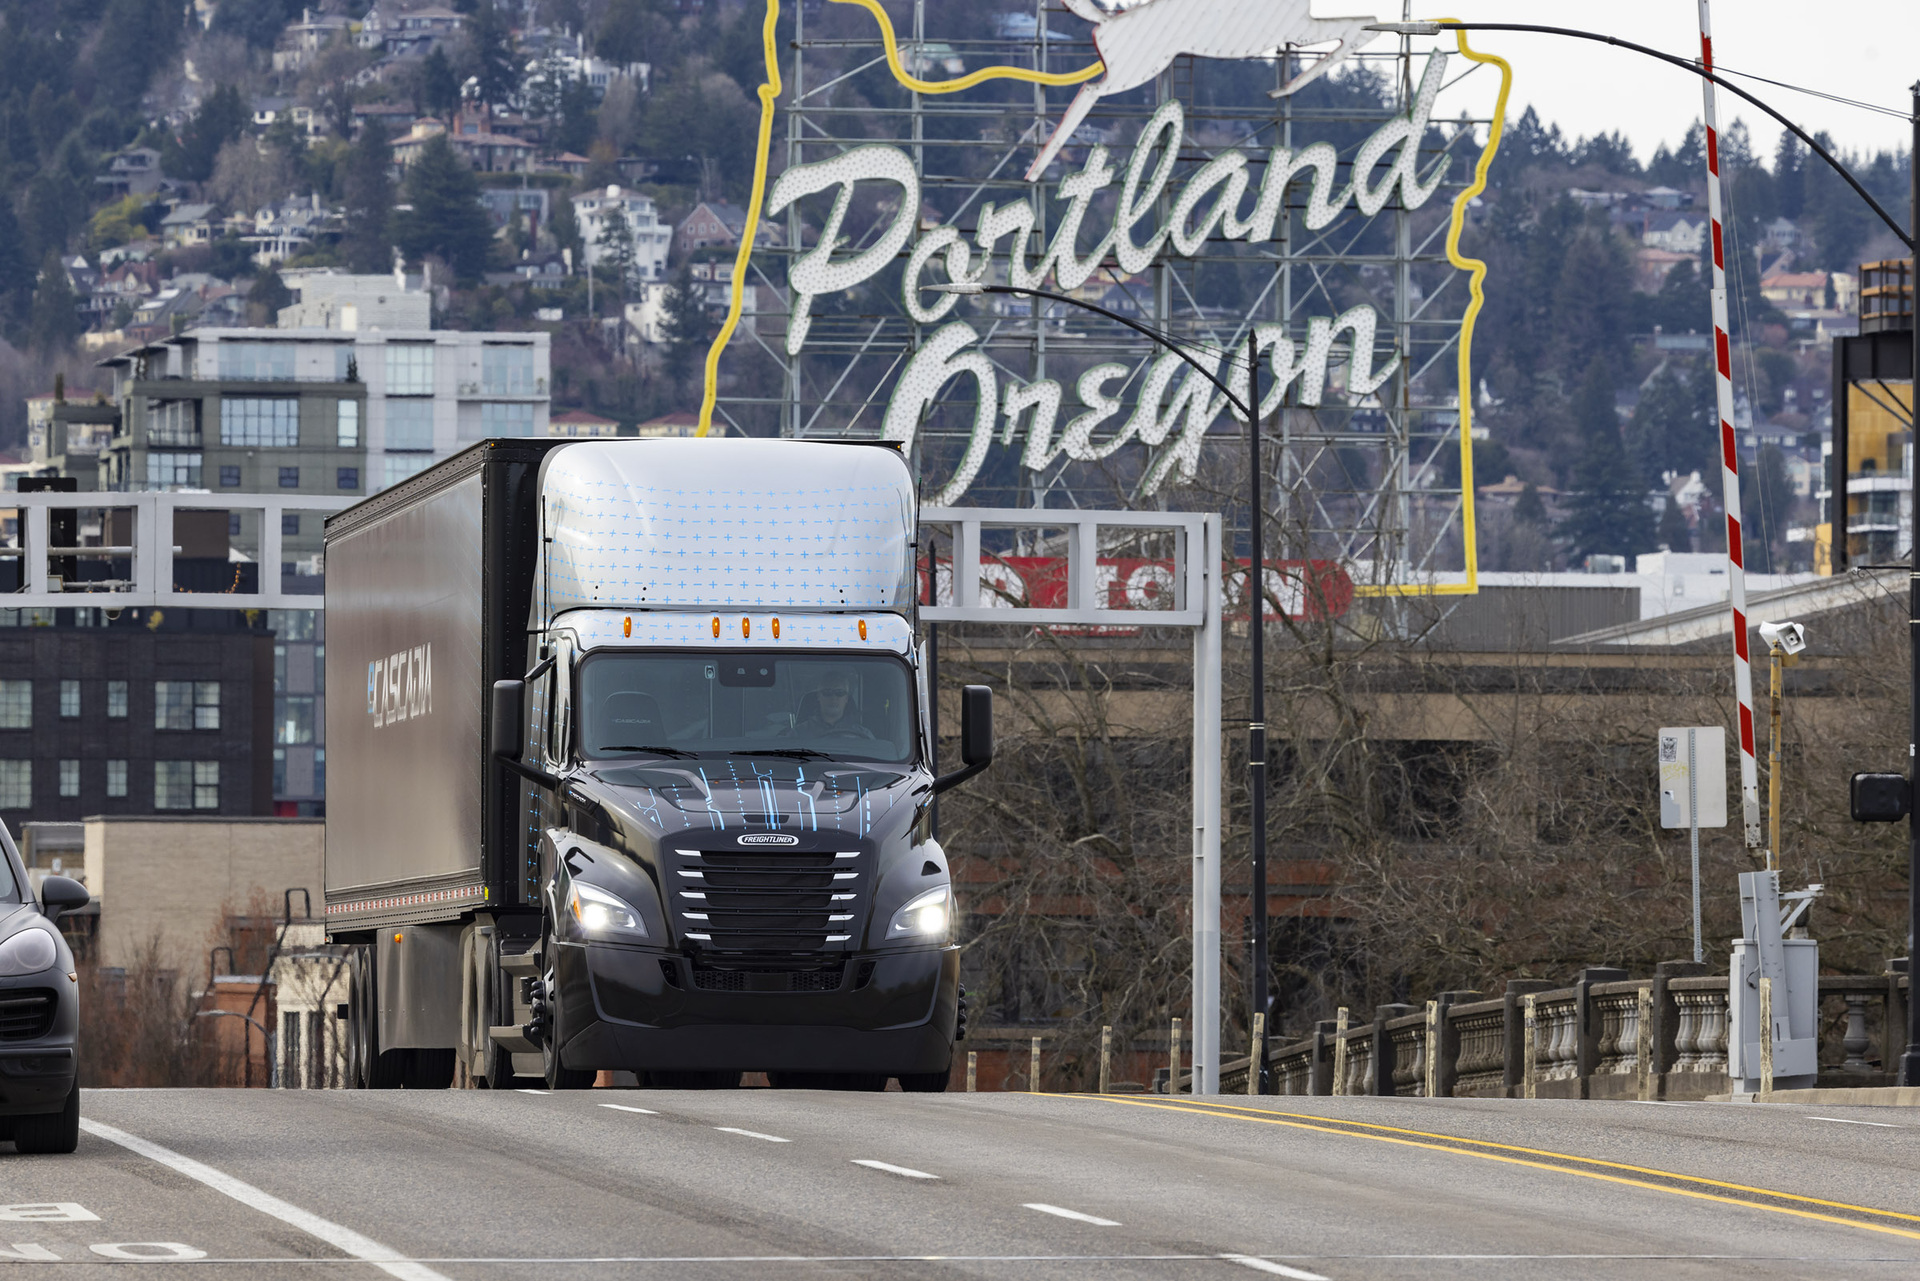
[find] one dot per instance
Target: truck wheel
(493, 1007)
(559, 1076)
(370, 1067)
(50, 1133)
(924, 1082)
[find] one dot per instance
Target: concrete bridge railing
(1587, 1040)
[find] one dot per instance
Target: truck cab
(713, 776)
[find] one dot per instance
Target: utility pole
(1256, 597)
(1910, 1061)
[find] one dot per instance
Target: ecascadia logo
(400, 686)
(767, 838)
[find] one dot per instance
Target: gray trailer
(641, 779)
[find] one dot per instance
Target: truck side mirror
(976, 736)
(509, 700)
(1879, 798)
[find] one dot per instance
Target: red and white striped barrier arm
(1729, 457)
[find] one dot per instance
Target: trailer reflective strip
(345, 1240)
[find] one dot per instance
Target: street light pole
(1908, 235)
(1255, 596)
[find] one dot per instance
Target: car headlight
(28, 952)
(599, 914)
(925, 916)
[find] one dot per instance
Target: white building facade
(595, 211)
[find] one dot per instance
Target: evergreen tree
(623, 32)
(1608, 512)
(439, 85)
(367, 193)
(1674, 534)
(220, 120)
(16, 269)
(56, 322)
(615, 246)
(1528, 509)
(684, 325)
(1592, 311)
(495, 66)
(1673, 426)
(1766, 503)
(446, 217)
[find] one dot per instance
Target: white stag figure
(1138, 43)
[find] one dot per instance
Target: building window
(511, 419)
(347, 477)
(347, 424)
(233, 524)
(69, 778)
(183, 785)
(173, 469)
(69, 700)
(279, 771)
(257, 361)
(173, 422)
(186, 704)
(409, 424)
(16, 704)
(229, 477)
(289, 478)
(116, 700)
(117, 779)
(260, 420)
(16, 785)
(409, 369)
(289, 523)
(402, 466)
(293, 719)
(506, 370)
(319, 771)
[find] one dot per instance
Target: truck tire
(559, 1076)
(491, 1066)
(51, 1133)
(370, 1067)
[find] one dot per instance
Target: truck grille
(26, 1015)
(761, 980)
(761, 901)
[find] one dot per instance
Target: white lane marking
(126, 1250)
(541, 1093)
(1657, 1103)
(900, 1170)
(621, 1107)
(1072, 1214)
(1841, 1120)
(346, 1240)
(1271, 1268)
(47, 1212)
(752, 1134)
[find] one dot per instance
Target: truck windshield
(841, 706)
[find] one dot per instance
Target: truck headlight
(599, 914)
(28, 952)
(925, 916)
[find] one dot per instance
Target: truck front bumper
(629, 1009)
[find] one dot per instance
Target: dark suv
(39, 1010)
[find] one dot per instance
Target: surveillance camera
(1789, 638)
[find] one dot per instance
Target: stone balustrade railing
(1587, 1042)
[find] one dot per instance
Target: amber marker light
(626, 626)
(746, 628)
(716, 629)
(863, 629)
(776, 629)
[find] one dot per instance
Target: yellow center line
(1450, 1144)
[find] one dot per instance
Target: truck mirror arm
(976, 737)
(959, 776)
(532, 773)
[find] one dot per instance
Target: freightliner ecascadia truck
(641, 778)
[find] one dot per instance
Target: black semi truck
(641, 779)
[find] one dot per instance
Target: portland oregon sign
(1233, 173)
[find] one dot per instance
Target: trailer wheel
(370, 1067)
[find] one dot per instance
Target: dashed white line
(621, 1107)
(346, 1240)
(1075, 1215)
(900, 1170)
(1841, 1120)
(541, 1093)
(751, 1134)
(1271, 1268)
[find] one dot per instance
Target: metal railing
(142, 571)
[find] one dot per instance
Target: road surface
(319, 1185)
